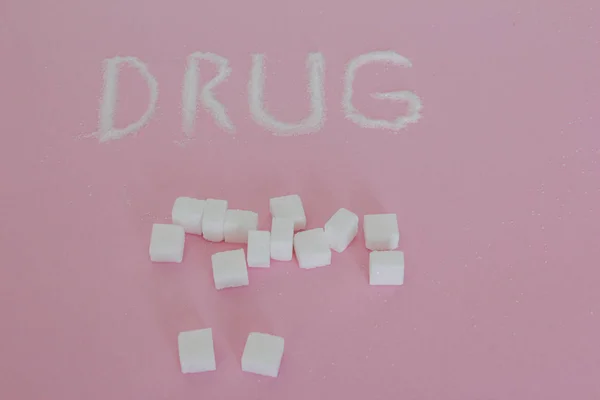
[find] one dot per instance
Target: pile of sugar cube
(213, 220)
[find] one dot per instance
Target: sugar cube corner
(341, 229)
(289, 206)
(188, 213)
(262, 354)
(196, 351)
(282, 239)
(386, 268)
(312, 248)
(259, 248)
(229, 269)
(381, 231)
(213, 221)
(166, 243)
(237, 225)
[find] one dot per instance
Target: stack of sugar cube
(213, 220)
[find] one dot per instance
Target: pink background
(497, 192)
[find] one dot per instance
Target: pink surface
(496, 189)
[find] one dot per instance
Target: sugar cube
(386, 268)
(259, 248)
(187, 212)
(341, 229)
(229, 269)
(381, 231)
(262, 354)
(166, 243)
(237, 225)
(282, 239)
(213, 221)
(312, 249)
(196, 351)
(289, 207)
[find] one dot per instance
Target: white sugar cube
(237, 225)
(341, 229)
(289, 207)
(259, 248)
(386, 268)
(282, 239)
(229, 269)
(188, 212)
(166, 243)
(262, 354)
(312, 249)
(381, 231)
(196, 351)
(213, 221)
